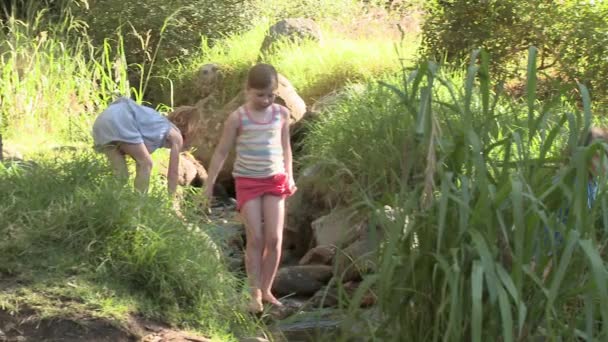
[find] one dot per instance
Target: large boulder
(356, 260)
(302, 209)
(339, 228)
(9, 154)
(190, 171)
(306, 205)
(320, 255)
(292, 29)
(301, 280)
(208, 80)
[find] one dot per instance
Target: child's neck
(260, 115)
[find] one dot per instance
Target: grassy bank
(73, 232)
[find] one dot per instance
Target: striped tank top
(259, 150)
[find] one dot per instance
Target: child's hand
(175, 205)
(208, 196)
(292, 185)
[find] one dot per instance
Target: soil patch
(26, 326)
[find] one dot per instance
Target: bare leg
(274, 214)
(252, 214)
(143, 162)
(118, 163)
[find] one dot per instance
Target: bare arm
(175, 142)
(286, 142)
(229, 133)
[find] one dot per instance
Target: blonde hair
(185, 119)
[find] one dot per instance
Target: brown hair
(185, 119)
(262, 76)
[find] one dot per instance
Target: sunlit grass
(314, 69)
(69, 224)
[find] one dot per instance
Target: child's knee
(145, 164)
(255, 241)
(273, 242)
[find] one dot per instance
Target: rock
(208, 79)
(232, 234)
(292, 29)
(288, 258)
(326, 297)
(302, 209)
(369, 297)
(356, 260)
(300, 212)
(301, 280)
(288, 97)
(191, 172)
(167, 335)
(253, 339)
(10, 154)
(289, 308)
(338, 228)
(320, 255)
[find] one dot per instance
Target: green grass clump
(65, 215)
(358, 142)
(468, 250)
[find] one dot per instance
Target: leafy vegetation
(314, 70)
(49, 83)
(570, 37)
(478, 182)
(469, 252)
(65, 216)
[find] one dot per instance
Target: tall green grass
(52, 80)
(66, 215)
(314, 69)
(480, 186)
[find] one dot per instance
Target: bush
(313, 9)
(568, 35)
(180, 22)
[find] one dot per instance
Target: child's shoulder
(284, 111)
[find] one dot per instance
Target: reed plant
(492, 234)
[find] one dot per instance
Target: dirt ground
(26, 326)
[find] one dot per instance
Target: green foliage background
(571, 36)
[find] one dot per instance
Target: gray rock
(301, 280)
(293, 29)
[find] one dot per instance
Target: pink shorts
(249, 188)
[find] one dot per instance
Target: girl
(127, 128)
(263, 177)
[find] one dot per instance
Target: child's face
(261, 98)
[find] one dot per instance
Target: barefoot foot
(255, 306)
(270, 299)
